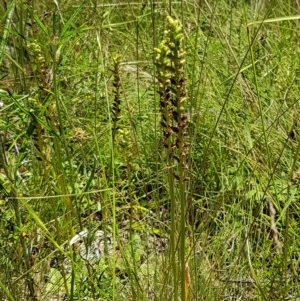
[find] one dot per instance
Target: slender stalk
(170, 65)
(16, 207)
(26, 253)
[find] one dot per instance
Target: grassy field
(149, 150)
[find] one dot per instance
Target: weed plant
(149, 150)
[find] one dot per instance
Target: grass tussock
(149, 151)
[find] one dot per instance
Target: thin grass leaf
(275, 20)
(6, 291)
(9, 20)
(40, 24)
(68, 25)
(42, 225)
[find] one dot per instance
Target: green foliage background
(65, 167)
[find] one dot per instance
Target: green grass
(84, 146)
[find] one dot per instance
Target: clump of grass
(239, 155)
(170, 75)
